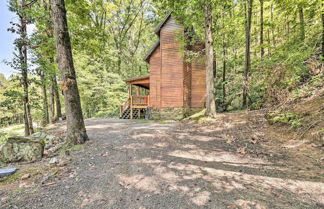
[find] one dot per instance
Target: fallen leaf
(49, 184)
(241, 150)
(26, 176)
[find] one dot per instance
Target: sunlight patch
(140, 182)
(201, 198)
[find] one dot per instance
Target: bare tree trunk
(302, 24)
(269, 42)
(247, 66)
(322, 34)
(24, 83)
(52, 102)
(273, 26)
(58, 109)
(76, 132)
(224, 67)
(224, 78)
(45, 119)
(210, 88)
(288, 27)
(24, 73)
(261, 28)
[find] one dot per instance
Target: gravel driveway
(129, 164)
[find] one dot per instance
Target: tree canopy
(110, 38)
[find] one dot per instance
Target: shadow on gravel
(128, 164)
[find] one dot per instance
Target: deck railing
(134, 102)
(139, 101)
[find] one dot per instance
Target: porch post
(131, 101)
(131, 107)
(137, 91)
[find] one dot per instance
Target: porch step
(126, 114)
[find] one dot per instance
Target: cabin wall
(172, 65)
(155, 78)
(198, 84)
(173, 82)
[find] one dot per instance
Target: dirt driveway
(140, 165)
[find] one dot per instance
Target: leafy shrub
(292, 119)
(3, 138)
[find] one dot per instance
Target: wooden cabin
(173, 86)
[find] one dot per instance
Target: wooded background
(110, 39)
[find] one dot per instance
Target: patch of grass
(294, 120)
(197, 116)
(321, 131)
(11, 179)
(204, 119)
(15, 130)
(165, 121)
(65, 148)
(154, 121)
(144, 121)
(77, 147)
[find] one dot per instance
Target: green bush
(3, 138)
(292, 119)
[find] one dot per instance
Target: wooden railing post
(131, 107)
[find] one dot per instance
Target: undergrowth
(294, 120)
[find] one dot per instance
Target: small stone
(53, 161)
(26, 176)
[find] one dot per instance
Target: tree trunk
(224, 67)
(52, 102)
(273, 26)
(323, 34)
(261, 28)
(210, 88)
(76, 132)
(247, 66)
(302, 24)
(224, 79)
(269, 43)
(45, 119)
(57, 100)
(24, 73)
(24, 82)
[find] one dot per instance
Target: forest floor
(234, 161)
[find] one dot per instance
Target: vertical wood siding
(172, 65)
(155, 76)
(198, 84)
(174, 83)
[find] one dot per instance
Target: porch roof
(143, 81)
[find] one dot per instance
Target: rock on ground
(21, 149)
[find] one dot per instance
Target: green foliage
(3, 138)
(110, 38)
(10, 179)
(11, 98)
(292, 119)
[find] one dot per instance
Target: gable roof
(161, 24)
(149, 54)
(157, 32)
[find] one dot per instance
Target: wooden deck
(134, 107)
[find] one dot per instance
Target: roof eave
(137, 78)
(149, 54)
(160, 25)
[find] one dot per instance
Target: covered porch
(138, 98)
